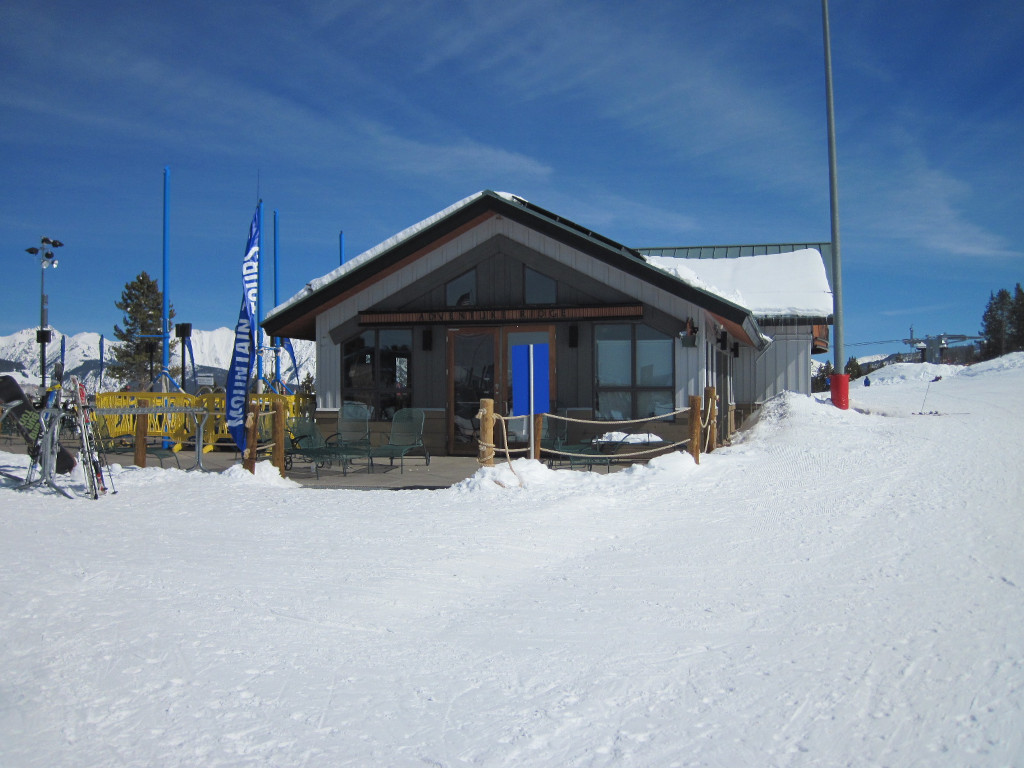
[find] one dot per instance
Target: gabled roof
(297, 316)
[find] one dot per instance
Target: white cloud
(912, 200)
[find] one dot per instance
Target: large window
(376, 371)
(634, 365)
(461, 292)
(538, 288)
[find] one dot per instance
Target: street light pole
(43, 335)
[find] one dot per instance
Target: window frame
(526, 285)
(384, 399)
(470, 276)
(634, 391)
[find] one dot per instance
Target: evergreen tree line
(820, 380)
(1002, 324)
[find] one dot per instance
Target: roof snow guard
(296, 318)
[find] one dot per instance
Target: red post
(840, 387)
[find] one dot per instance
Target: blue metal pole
(166, 330)
(277, 270)
(259, 302)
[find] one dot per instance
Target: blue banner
(287, 344)
(242, 358)
(100, 384)
(192, 357)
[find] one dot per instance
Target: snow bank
(1007, 363)
(899, 373)
(526, 474)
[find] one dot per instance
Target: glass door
(515, 336)
(472, 358)
(479, 367)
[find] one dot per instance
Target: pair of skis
(90, 447)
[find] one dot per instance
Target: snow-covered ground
(837, 588)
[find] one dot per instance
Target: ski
(89, 455)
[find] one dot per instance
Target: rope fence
(604, 448)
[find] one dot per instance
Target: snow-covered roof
(739, 289)
(790, 284)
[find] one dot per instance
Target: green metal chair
(352, 440)
(586, 453)
(305, 443)
(406, 436)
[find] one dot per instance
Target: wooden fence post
(709, 395)
(696, 411)
(487, 432)
(278, 451)
(252, 436)
(538, 430)
(141, 434)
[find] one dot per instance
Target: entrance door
(472, 358)
(478, 367)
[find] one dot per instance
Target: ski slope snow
(836, 588)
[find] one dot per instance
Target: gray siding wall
(784, 366)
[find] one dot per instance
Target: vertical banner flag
(100, 384)
(192, 357)
(287, 344)
(242, 356)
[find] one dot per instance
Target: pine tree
(996, 325)
(1015, 331)
(142, 305)
(820, 382)
(853, 368)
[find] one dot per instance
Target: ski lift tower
(931, 347)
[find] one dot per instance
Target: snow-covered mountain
(19, 357)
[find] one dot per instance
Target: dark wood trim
(478, 316)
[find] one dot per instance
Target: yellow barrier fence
(179, 428)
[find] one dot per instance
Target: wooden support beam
(696, 411)
(487, 432)
(252, 436)
(277, 453)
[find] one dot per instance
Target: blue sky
(654, 123)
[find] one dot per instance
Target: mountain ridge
(19, 357)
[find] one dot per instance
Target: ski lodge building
(427, 319)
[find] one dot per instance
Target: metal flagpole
(530, 432)
(166, 317)
(837, 270)
(276, 342)
(259, 309)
